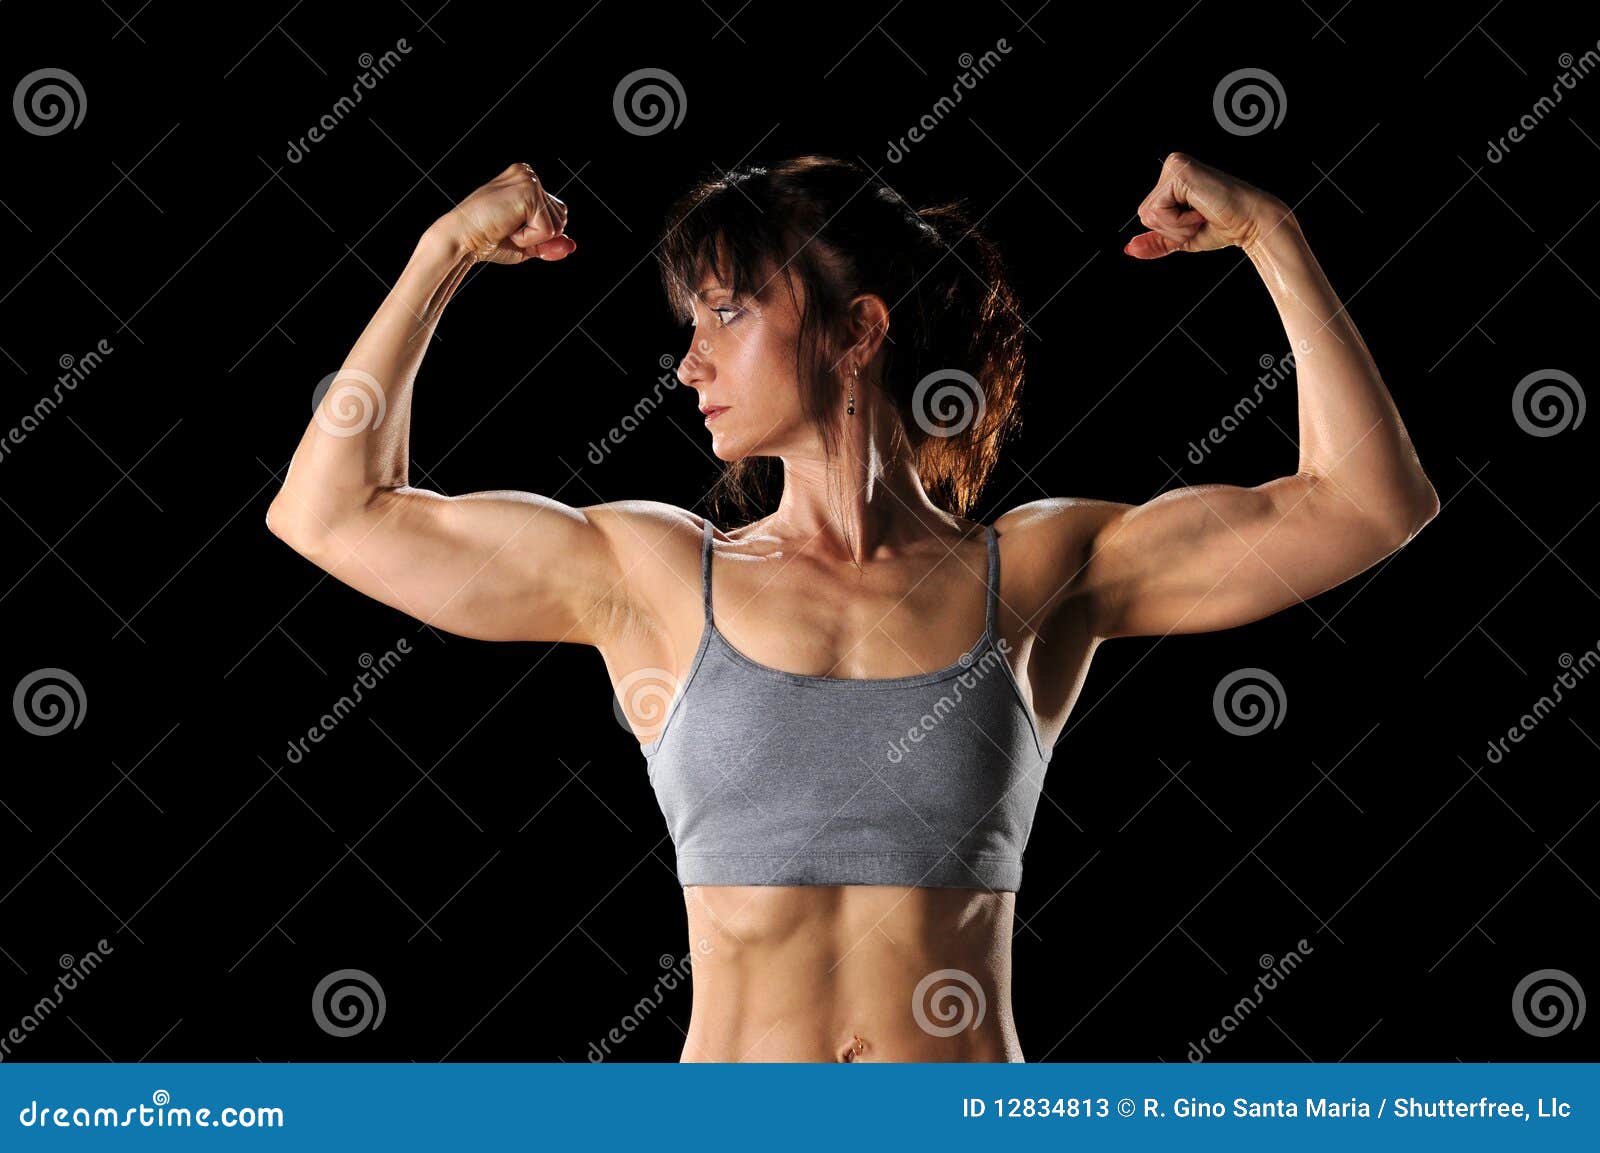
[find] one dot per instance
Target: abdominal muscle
(850, 973)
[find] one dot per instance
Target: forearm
(1352, 440)
(357, 443)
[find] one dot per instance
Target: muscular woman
(864, 687)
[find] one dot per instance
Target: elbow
(1421, 505)
(288, 521)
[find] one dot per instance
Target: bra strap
(705, 567)
(993, 580)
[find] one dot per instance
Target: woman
(848, 777)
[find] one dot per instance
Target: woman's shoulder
(1047, 544)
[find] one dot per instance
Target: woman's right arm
(488, 565)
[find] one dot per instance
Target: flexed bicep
(504, 566)
(1211, 557)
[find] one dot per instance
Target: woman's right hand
(509, 220)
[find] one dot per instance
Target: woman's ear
(869, 327)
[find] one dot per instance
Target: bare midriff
(850, 973)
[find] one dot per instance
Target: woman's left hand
(1196, 208)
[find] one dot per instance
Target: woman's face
(741, 363)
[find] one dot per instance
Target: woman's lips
(713, 413)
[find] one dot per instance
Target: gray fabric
(768, 777)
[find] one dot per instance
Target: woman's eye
(723, 320)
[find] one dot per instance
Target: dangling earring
(850, 408)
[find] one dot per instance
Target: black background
(479, 836)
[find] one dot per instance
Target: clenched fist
(509, 220)
(1196, 208)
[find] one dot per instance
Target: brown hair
(843, 233)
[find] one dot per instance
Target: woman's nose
(693, 367)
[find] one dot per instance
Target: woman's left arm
(1215, 556)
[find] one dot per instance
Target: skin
(824, 973)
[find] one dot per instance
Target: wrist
(1274, 232)
(442, 242)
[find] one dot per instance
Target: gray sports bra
(768, 777)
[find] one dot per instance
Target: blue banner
(854, 1106)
